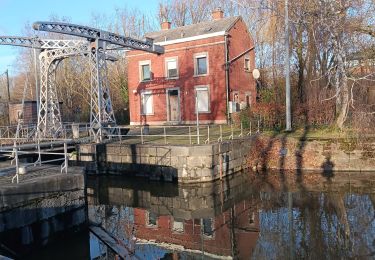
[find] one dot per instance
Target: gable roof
(192, 30)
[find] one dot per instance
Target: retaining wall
(187, 164)
(34, 212)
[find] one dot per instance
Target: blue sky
(15, 14)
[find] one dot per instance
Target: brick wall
(241, 80)
(29, 112)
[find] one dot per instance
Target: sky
(15, 14)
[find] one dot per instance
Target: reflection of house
(212, 235)
(192, 73)
(28, 113)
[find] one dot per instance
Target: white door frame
(179, 104)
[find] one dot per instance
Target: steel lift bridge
(94, 47)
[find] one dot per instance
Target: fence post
(17, 167)
(231, 131)
(250, 127)
(198, 141)
(142, 134)
(190, 134)
(241, 134)
(165, 136)
(119, 134)
(208, 135)
(66, 157)
(258, 126)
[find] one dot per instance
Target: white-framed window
(248, 99)
(207, 225)
(145, 70)
(151, 219)
(19, 114)
(236, 96)
(171, 68)
(178, 226)
(202, 99)
(247, 65)
(147, 103)
(201, 64)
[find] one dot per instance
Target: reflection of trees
(325, 225)
(116, 220)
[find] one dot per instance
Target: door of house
(173, 105)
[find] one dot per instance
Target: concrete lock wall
(33, 213)
(187, 164)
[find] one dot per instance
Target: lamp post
(8, 93)
(287, 73)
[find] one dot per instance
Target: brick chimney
(165, 25)
(217, 14)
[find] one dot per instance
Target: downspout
(227, 74)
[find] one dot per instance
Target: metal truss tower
(102, 119)
(51, 52)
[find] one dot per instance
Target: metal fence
(39, 149)
(181, 134)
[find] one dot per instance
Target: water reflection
(238, 218)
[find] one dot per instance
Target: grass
(186, 135)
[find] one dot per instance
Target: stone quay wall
(33, 213)
(187, 164)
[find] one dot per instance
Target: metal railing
(182, 134)
(27, 133)
(39, 149)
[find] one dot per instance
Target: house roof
(192, 30)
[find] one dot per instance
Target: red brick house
(192, 73)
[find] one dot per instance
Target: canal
(246, 216)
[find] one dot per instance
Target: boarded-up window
(203, 99)
(178, 226)
(147, 103)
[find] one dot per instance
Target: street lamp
(287, 72)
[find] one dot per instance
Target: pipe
(227, 74)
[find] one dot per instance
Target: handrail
(16, 152)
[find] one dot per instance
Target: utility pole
(7, 78)
(287, 72)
